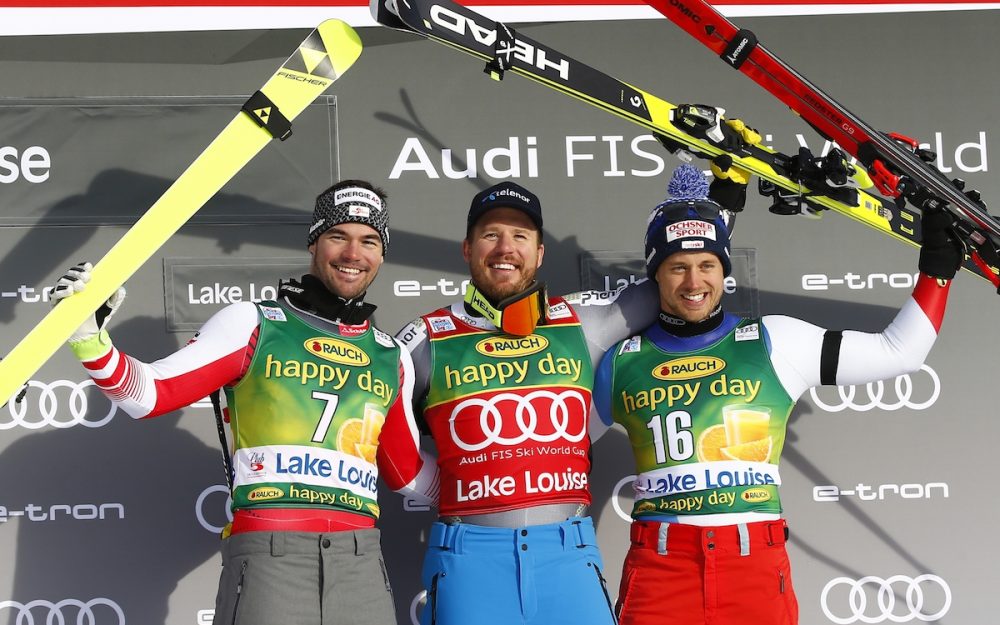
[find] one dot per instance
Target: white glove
(73, 282)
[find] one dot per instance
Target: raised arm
(806, 355)
(215, 357)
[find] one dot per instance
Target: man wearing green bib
(319, 404)
(705, 397)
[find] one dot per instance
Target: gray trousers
(298, 578)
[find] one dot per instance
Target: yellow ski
(321, 58)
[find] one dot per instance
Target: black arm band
(829, 357)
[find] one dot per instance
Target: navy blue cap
(506, 195)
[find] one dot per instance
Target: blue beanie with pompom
(687, 221)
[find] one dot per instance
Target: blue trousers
(535, 575)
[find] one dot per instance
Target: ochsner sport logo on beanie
(690, 228)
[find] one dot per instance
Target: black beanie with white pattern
(350, 203)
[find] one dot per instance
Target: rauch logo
(688, 368)
(265, 492)
(507, 347)
(755, 495)
(340, 352)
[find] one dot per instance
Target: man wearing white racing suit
(705, 397)
(319, 405)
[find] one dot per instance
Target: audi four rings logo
(98, 611)
(617, 492)
(878, 398)
(43, 408)
(214, 511)
(417, 605)
(912, 589)
(562, 422)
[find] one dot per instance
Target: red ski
(896, 164)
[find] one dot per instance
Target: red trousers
(691, 575)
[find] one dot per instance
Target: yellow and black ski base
(321, 58)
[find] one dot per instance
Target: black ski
(799, 183)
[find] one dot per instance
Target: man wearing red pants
(705, 398)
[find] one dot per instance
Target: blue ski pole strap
(739, 48)
(503, 49)
(266, 114)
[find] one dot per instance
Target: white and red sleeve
(218, 355)
(903, 346)
(402, 464)
(805, 355)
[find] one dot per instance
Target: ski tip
(340, 42)
(385, 13)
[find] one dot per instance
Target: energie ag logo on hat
(350, 203)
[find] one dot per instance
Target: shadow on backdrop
(142, 477)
